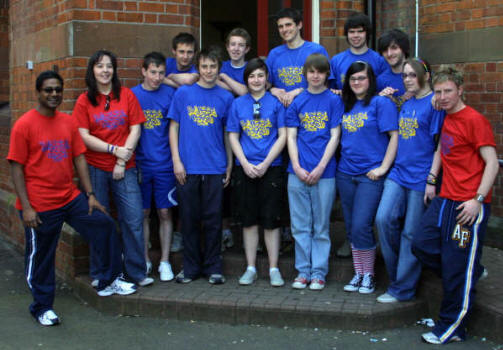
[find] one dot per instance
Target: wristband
(121, 165)
(432, 182)
(90, 193)
(432, 175)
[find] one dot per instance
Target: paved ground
(85, 328)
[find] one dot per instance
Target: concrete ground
(85, 328)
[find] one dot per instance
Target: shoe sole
(299, 286)
(278, 284)
(370, 291)
(166, 279)
(351, 289)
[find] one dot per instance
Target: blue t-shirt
(202, 115)
(257, 136)
(285, 65)
(364, 138)
(233, 72)
(389, 78)
(153, 150)
(172, 68)
(314, 115)
(419, 122)
(340, 63)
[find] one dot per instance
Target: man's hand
(261, 169)
(250, 170)
(94, 204)
(31, 218)
(180, 174)
(228, 173)
(388, 91)
(469, 212)
(315, 175)
(301, 173)
(118, 172)
(124, 153)
(430, 192)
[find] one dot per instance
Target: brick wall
(4, 51)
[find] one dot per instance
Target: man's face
(315, 78)
(184, 54)
(448, 96)
(394, 55)
(153, 76)
(208, 71)
(236, 48)
(50, 94)
(288, 30)
(357, 37)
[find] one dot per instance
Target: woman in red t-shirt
(109, 118)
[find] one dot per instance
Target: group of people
(367, 122)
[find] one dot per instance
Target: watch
(89, 194)
(479, 198)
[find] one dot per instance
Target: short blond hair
(448, 73)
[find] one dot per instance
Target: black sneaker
(368, 284)
(180, 278)
(216, 278)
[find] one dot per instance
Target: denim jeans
(127, 198)
(310, 208)
(360, 198)
(398, 218)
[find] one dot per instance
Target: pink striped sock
(357, 261)
(368, 258)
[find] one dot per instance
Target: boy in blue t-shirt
(202, 163)
(357, 30)
(180, 70)
(285, 62)
(153, 156)
(237, 43)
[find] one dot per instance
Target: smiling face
(357, 37)
(257, 81)
(448, 96)
(103, 71)
(184, 55)
(315, 79)
(236, 48)
(359, 83)
(410, 80)
(153, 76)
(208, 72)
(50, 95)
(288, 30)
(394, 56)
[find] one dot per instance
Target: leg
(165, 231)
(388, 221)
(99, 230)
(146, 187)
(347, 188)
(323, 195)
(146, 233)
(272, 243)
(408, 270)
(250, 241)
(301, 217)
(41, 243)
(128, 200)
(190, 219)
(211, 211)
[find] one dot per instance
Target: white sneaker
(177, 242)
(386, 299)
(165, 271)
(317, 284)
(94, 283)
(368, 284)
(48, 318)
(147, 281)
(248, 277)
(149, 267)
(433, 339)
(276, 279)
(118, 286)
(354, 284)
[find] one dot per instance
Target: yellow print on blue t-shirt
(153, 118)
(313, 121)
(256, 129)
(290, 75)
(408, 127)
(353, 122)
(202, 115)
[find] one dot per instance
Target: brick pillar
(4, 52)
(62, 34)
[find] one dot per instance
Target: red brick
(150, 7)
(109, 16)
(149, 18)
(171, 8)
(130, 17)
(130, 6)
(171, 19)
(110, 5)
(86, 15)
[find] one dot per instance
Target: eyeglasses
(50, 90)
(409, 75)
(256, 110)
(355, 79)
(107, 103)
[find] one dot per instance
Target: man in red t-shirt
(451, 239)
(45, 145)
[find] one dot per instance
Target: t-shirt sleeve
(18, 148)
(228, 102)
(269, 63)
(233, 119)
(383, 65)
(135, 112)
(337, 111)
(333, 79)
(80, 111)
(78, 146)
(481, 132)
(437, 119)
(174, 109)
(291, 118)
(387, 114)
(281, 113)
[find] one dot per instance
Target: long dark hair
(92, 86)
(348, 96)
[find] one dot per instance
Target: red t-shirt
(46, 147)
(463, 133)
(110, 126)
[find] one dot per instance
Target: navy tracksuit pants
(41, 243)
(200, 202)
(453, 251)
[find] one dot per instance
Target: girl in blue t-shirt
(403, 199)
(368, 147)
(313, 120)
(257, 134)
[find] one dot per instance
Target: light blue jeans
(127, 198)
(310, 208)
(398, 218)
